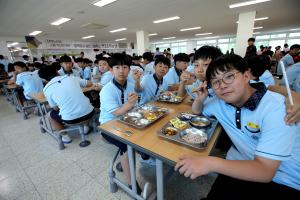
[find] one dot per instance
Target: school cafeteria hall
(149, 99)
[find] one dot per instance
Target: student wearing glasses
(264, 160)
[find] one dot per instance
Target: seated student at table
(117, 97)
(65, 96)
(172, 78)
(292, 74)
(30, 81)
(67, 67)
(105, 70)
(153, 84)
(86, 72)
(96, 75)
(148, 63)
(264, 158)
(202, 58)
(258, 66)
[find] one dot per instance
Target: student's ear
(248, 75)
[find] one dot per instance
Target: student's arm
(259, 170)
(293, 112)
(132, 99)
(184, 78)
(89, 83)
(201, 94)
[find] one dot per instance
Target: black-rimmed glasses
(227, 78)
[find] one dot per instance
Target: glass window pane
(262, 37)
(294, 34)
(182, 44)
(281, 35)
(293, 41)
(223, 47)
(275, 43)
(223, 40)
(174, 44)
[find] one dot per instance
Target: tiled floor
(32, 167)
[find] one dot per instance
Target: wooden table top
(148, 140)
(4, 81)
(11, 86)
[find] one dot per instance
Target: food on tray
(135, 114)
(151, 116)
(177, 123)
(186, 116)
(200, 122)
(194, 136)
(169, 131)
(142, 122)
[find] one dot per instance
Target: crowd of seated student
(123, 80)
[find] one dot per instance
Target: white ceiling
(20, 17)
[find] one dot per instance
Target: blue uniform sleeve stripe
(273, 154)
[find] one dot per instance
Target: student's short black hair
(79, 60)
(148, 56)
(226, 63)
(20, 64)
(37, 65)
(103, 58)
(135, 58)
(251, 39)
(206, 52)
(181, 57)
(56, 65)
(162, 59)
(25, 57)
(10, 67)
(295, 46)
(258, 64)
(1, 57)
(119, 59)
(47, 72)
(86, 61)
(65, 58)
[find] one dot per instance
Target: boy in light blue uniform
(259, 66)
(65, 96)
(30, 81)
(67, 67)
(202, 58)
(288, 60)
(118, 97)
(292, 74)
(265, 155)
(86, 69)
(172, 78)
(148, 63)
(153, 84)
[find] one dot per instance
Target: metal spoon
(128, 133)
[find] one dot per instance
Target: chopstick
(286, 83)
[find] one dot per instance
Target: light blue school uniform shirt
(190, 88)
(111, 100)
(65, 93)
(292, 73)
(191, 68)
(149, 68)
(287, 61)
(95, 72)
(106, 78)
(5, 63)
(258, 129)
(172, 77)
(31, 83)
(152, 88)
(75, 72)
(87, 73)
(267, 78)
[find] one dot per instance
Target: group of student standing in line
(264, 159)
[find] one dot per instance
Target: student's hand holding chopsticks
(201, 91)
(293, 111)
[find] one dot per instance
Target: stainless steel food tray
(176, 138)
(129, 120)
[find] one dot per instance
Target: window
(294, 34)
(275, 43)
(223, 40)
(262, 37)
(281, 35)
(223, 47)
(293, 41)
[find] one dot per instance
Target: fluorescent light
(200, 34)
(87, 37)
(259, 27)
(152, 34)
(120, 39)
(166, 19)
(295, 29)
(60, 21)
(258, 19)
(169, 38)
(103, 2)
(247, 3)
(118, 30)
(256, 33)
(35, 32)
(189, 29)
(213, 37)
(14, 43)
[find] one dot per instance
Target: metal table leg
(159, 179)
(130, 152)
